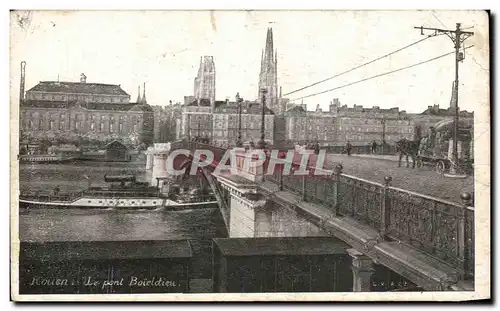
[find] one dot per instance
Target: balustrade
(442, 229)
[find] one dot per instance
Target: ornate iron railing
(441, 229)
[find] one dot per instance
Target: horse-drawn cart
(436, 148)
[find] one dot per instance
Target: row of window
(78, 125)
(83, 97)
(92, 117)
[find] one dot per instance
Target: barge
(121, 192)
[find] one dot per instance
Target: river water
(111, 225)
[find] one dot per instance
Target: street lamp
(239, 100)
(262, 142)
(199, 122)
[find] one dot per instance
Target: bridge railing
(439, 228)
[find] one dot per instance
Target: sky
(163, 49)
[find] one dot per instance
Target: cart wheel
(440, 167)
(420, 163)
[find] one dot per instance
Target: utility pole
(383, 136)
(239, 100)
(457, 36)
(262, 142)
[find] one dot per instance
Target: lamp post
(199, 122)
(262, 142)
(239, 100)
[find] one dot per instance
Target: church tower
(204, 83)
(268, 77)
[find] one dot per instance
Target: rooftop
(89, 106)
(78, 88)
(300, 246)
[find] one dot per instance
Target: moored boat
(121, 192)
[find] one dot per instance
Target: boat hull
(117, 204)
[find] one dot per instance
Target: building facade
(73, 111)
(165, 122)
(226, 123)
(304, 126)
(221, 126)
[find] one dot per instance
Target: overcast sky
(163, 49)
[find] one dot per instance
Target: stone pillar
(362, 270)
(159, 167)
(149, 158)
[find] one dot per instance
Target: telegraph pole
(457, 36)
(262, 142)
(239, 100)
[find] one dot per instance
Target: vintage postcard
(250, 155)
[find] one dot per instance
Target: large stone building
(166, 121)
(220, 125)
(72, 111)
(304, 126)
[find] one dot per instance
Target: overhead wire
(379, 75)
(362, 65)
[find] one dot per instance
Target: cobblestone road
(424, 180)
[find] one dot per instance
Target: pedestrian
(348, 148)
(374, 147)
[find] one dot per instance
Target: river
(112, 225)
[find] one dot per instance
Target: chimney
(83, 78)
(23, 79)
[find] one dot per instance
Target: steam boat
(122, 192)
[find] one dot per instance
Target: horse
(407, 148)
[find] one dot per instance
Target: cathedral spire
(268, 72)
(269, 44)
(144, 101)
(138, 94)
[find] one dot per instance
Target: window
(111, 99)
(63, 97)
(43, 96)
(101, 127)
(61, 125)
(51, 125)
(30, 125)
(63, 115)
(40, 124)
(121, 100)
(111, 126)
(53, 97)
(120, 128)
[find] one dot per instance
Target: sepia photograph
(249, 155)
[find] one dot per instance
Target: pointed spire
(276, 56)
(138, 94)
(269, 44)
(144, 101)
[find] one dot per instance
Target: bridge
(426, 240)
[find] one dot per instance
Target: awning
(304, 246)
